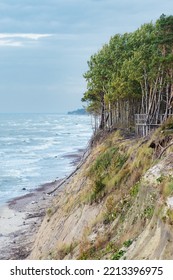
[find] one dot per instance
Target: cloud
(25, 39)
(31, 36)
(44, 42)
(20, 39)
(10, 43)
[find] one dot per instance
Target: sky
(45, 46)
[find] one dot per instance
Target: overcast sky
(45, 45)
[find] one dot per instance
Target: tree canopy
(132, 74)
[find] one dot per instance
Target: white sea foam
(32, 149)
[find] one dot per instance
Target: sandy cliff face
(67, 219)
(119, 204)
(155, 241)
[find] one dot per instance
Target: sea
(38, 148)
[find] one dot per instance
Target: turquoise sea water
(34, 149)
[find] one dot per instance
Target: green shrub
(98, 189)
(149, 211)
(170, 216)
(88, 253)
(160, 179)
(103, 161)
(134, 190)
(121, 159)
(99, 186)
(108, 163)
(118, 255)
(49, 212)
(128, 243)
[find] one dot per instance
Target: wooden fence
(144, 123)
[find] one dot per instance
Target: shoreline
(22, 216)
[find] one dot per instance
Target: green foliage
(128, 243)
(98, 191)
(49, 212)
(134, 190)
(160, 179)
(106, 161)
(148, 212)
(103, 162)
(99, 186)
(143, 158)
(110, 247)
(121, 159)
(118, 255)
(133, 68)
(168, 188)
(109, 217)
(170, 216)
(88, 254)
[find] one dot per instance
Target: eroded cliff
(119, 204)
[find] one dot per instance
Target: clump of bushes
(101, 166)
(107, 163)
(98, 190)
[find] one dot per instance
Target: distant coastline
(78, 112)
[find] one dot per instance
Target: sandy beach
(20, 218)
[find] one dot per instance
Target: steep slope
(119, 204)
